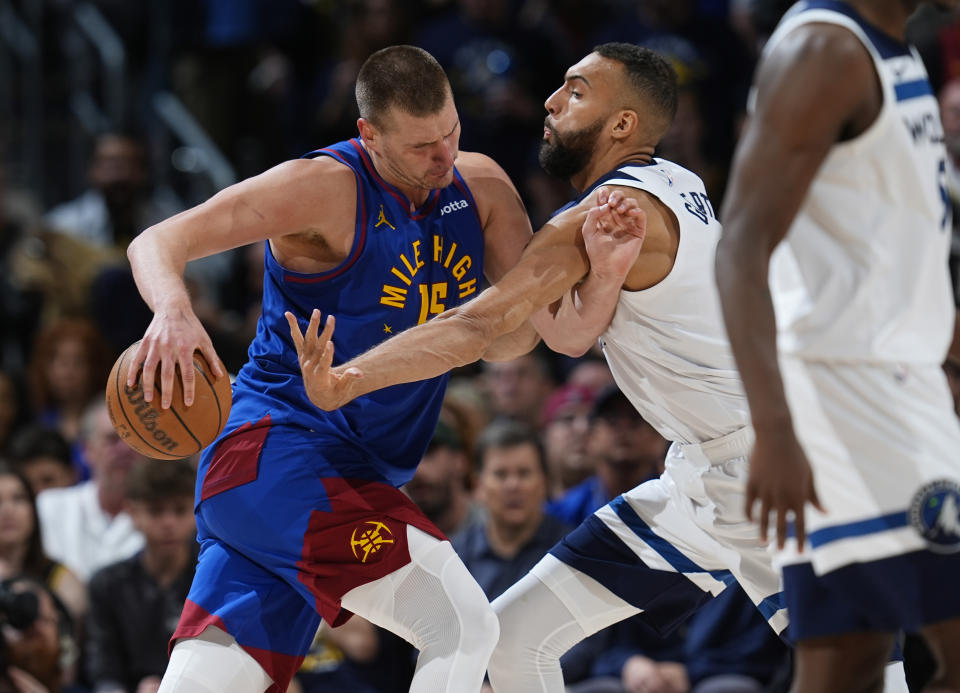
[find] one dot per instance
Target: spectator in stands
(85, 526)
(725, 647)
(499, 548)
(38, 653)
(21, 550)
(520, 388)
(43, 455)
(627, 449)
(339, 657)
(20, 307)
(440, 486)
(136, 602)
(67, 371)
(119, 202)
(496, 62)
(590, 370)
(370, 25)
(566, 420)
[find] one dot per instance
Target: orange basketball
(174, 433)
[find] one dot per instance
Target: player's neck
(613, 159)
(890, 16)
(414, 194)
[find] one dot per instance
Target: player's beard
(566, 156)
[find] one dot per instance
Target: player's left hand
(781, 481)
(613, 233)
(327, 387)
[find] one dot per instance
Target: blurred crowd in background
(115, 115)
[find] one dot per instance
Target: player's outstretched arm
(573, 324)
(551, 264)
(810, 88)
(266, 206)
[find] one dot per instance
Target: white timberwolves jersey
(862, 273)
(666, 345)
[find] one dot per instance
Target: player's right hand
(781, 481)
(613, 233)
(327, 387)
(169, 342)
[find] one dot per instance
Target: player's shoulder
(480, 169)
(304, 179)
(816, 45)
(325, 168)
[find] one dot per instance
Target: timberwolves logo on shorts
(935, 513)
(370, 539)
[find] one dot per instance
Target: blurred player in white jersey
(840, 176)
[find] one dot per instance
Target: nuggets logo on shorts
(935, 514)
(370, 539)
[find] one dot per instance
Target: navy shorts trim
(667, 598)
(904, 592)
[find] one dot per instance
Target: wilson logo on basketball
(148, 417)
(365, 542)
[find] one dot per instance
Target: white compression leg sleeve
(435, 604)
(543, 615)
(212, 662)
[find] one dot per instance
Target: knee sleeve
(542, 616)
(536, 628)
(210, 663)
(435, 604)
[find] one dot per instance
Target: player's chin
(439, 180)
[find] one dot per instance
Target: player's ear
(367, 130)
(626, 124)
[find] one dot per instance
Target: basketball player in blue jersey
(298, 511)
(835, 256)
(664, 547)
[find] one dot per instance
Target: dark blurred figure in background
(14, 411)
(441, 485)
(496, 60)
(627, 450)
(566, 421)
(709, 57)
(20, 307)
(21, 551)
(44, 457)
(238, 69)
(67, 372)
(368, 26)
(519, 388)
(37, 653)
(119, 202)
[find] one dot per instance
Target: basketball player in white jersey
(663, 548)
(840, 175)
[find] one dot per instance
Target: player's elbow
(576, 348)
(136, 249)
(566, 345)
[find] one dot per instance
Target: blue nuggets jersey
(404, 268)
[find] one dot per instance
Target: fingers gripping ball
(174, 433)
